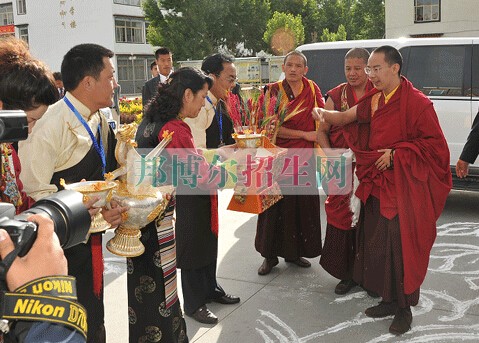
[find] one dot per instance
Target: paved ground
(293, 305)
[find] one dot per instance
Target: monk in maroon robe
(404, 178)
(338, 254)
(291, 228)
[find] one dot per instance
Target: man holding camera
(26, 84)
(73, 141)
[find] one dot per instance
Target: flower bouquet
(256, 117)
(256, 122)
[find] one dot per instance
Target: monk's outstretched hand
(318, 114)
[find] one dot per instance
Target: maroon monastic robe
(337, 206)
(417, 187)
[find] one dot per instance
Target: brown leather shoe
(344, 286)
(401, 322)
(267, 265)
(300, 262)
(382, 310)
(204, 315)
(227, 299)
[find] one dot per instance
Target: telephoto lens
(68, 213)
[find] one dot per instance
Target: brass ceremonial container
(145, 202)
(102, 189)
(143, 209)
(262, 193)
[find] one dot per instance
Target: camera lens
(70, 216)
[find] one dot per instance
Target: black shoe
(267, 265)
(382, 310)
(370, 293)
(344, 286)
(227, 299)
(300, 262)
(401, 322)
(205, 316)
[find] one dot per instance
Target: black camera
(70, 217)
(67, 211)
(13, 126)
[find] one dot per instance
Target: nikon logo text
(35, 307)
(60, 286)
(78, 317)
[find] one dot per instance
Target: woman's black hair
(167, 103)
(25, 82)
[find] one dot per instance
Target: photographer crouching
(37, 298)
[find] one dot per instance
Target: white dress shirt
(58, 141)
(203, 121)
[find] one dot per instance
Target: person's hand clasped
(45, 257)
(113, 213)
(385, 161)
(462, 169)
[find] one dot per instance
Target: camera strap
(48, 299)
(5, 265)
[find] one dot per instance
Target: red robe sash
(303, 105)
(418, 186)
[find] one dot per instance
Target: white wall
(458, 19)
(49, 39)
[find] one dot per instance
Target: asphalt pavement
(296, 305)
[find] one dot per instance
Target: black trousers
(199, 287)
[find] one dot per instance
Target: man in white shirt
(73, 141)
(209, 133)
(197, 215)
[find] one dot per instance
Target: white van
(445, 69)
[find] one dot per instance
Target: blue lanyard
(98, 147)
(219, 119)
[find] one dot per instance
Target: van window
(437, 70)
(326, 67)
(475, 70)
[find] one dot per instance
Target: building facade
(52, 27)
(431, 18)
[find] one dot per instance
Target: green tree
(368, 19)
(284, 32)
(193, 29)
(334, 36)
(307, 9)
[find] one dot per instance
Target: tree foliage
(307, 9)
(284, 32)
(362, 19)
(334, 36)
(193, 29)
(368, 19)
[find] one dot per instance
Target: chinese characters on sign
(293, 172)
(67, 14)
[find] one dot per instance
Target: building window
(21, 7)
(133, 71)
(130, 30)
(6, 14)
(23, 32)
(128, 2)
(427, 10)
